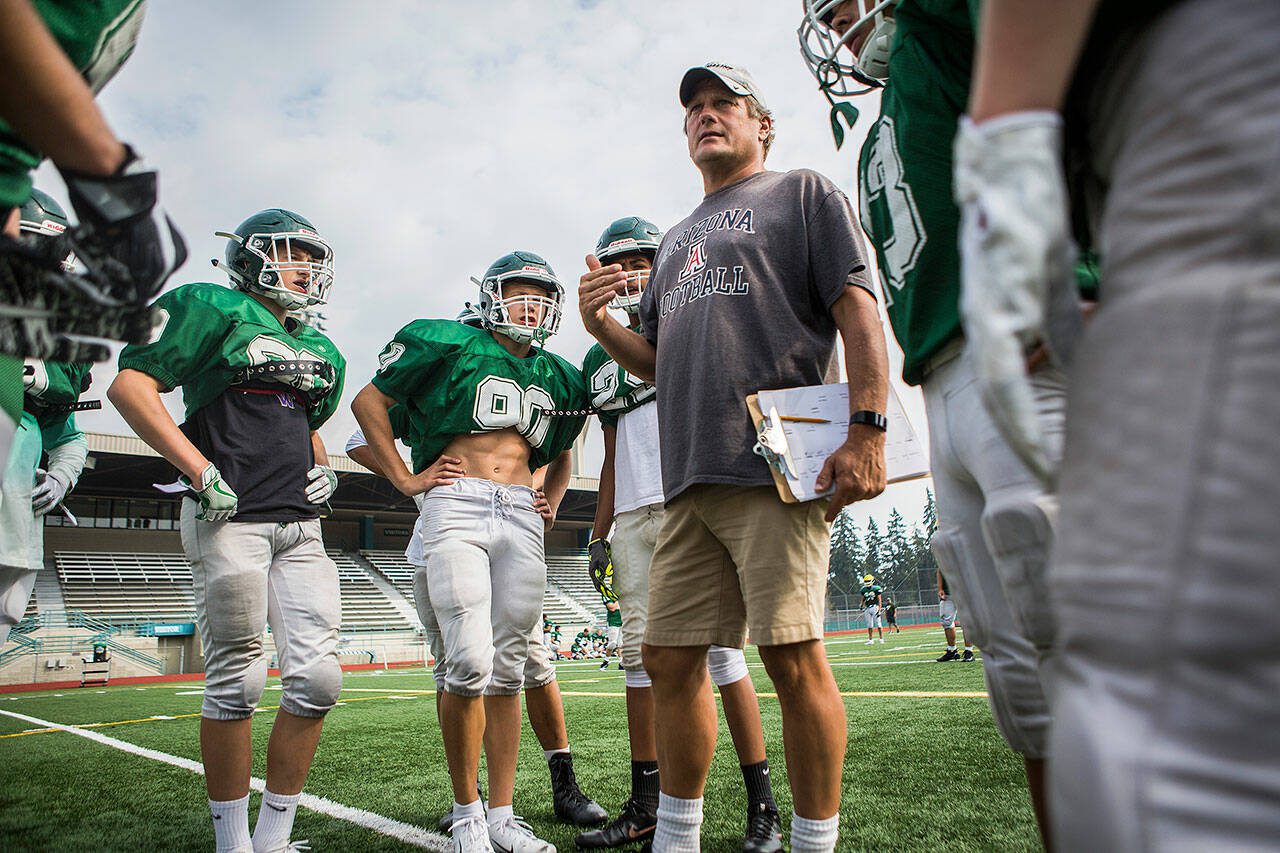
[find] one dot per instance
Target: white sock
(475, 808)
(968, 648)
(679, 825)
(547, 753)
(275, 821)
(953, 648)
(231, 823)
(497, 814)
(814, 836)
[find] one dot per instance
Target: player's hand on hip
(596, 288)
(322, 482)
(1017, 265)
(48, 493)
(856, 470)
(445, 471)
(218, 501)
(544, 508)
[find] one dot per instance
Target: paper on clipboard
(802, 448)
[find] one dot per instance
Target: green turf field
(925, 770)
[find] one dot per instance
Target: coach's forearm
(557, 479)
(51, 109)
(370, 408)
(136, 396)
(1027, 53)
(630, 350)
(866, 357)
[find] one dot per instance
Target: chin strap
(839, 110)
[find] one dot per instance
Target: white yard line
(414, 836)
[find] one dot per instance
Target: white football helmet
(820, 46)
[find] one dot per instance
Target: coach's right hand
(596, 289)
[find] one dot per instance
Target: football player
(1169, 114)
(871, 593)
(995, 516)
(54, 57)
(542, 698)
(477, 401)
(256, 385)
(613, 632)
(51, 391)
(631, 503)
(947, 617)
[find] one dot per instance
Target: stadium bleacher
(364, 606)
(125, 586)
(568, 573)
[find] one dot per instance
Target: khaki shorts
(735, 558)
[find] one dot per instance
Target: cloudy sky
(426, 139)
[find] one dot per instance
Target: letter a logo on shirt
(696, 261)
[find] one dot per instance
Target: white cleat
(870, 642)
(882, 641)
(513, 835)
(470, 835)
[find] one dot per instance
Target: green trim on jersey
(210, 333)
(97, 36)
(55, 383)
(613, 390)
(453, 379)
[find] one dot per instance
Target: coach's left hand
(856, 469)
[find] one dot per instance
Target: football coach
(747, 293)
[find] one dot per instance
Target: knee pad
(233, 689)
(538, 671)
(1019, 535)
(470, 671)
(313, 690)
(638, 678)
(726, 665)
(948, 547)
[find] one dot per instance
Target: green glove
(218, 501)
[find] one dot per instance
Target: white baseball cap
(738, 80)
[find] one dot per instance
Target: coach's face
(720, 129)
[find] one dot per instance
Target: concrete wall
(43, 667)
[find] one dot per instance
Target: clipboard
(795, 451)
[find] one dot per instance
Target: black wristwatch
(871, 419)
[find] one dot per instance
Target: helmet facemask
(266, 256)
(820, 46)
(628, 299)
(539, 313)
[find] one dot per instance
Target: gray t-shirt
(739, 301)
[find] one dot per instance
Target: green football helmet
(498, 312)
(623, 237)
(263, 245)
(41, 216)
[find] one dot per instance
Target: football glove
(601, 562)
(322, 482)
(49, 491)
(1016, 265)
(218, 501)
(123, 229)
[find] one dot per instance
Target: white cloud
(425, 140)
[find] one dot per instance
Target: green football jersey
(614, 391)
(97, 36)
(210, 335)
(869, 593)
(453, 379)
(905, 178)
(905, 175)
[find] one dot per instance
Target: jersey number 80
(501, 403)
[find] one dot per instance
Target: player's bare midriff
(501, 455)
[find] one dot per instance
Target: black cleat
(968, 656)
(949, 654)
(604, 664)
(636, 823)
(571, 805)
(764, 829)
